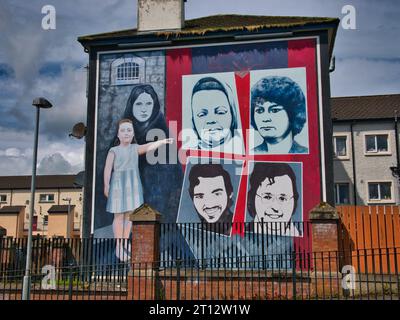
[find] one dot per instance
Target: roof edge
(204, 30)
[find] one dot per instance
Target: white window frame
(3, 195)
(391, 200)
(140, 62)
(47, 197)
(45, 220)
(340, 135)
(377, 153)
(336, 192)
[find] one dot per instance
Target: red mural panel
(300, 54)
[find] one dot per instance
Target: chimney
(156, 15)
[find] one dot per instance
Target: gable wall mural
(214, 136)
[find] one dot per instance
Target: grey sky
(34, 62)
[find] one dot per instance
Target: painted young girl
(122, 184)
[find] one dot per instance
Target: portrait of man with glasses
(273, 198)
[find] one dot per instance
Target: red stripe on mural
(178, 63)
(240, 209)
(243, 94)
(302, 53)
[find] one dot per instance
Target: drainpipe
(354, 164)
(397, 152)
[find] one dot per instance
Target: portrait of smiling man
(211, 191)
(278, 113)
(273, 199)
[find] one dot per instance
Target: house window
(377, 143)
(3, 198)
(127, 70)
(49, 197)
(380, 191)
(342, 193)
(340, 146)
(45, 220)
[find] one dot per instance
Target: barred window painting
(128, 71)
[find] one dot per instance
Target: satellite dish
(79, 179)
(78, 131)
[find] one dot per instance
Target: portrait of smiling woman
(278, 114)
(212, 121)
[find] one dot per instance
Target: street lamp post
(38, 103)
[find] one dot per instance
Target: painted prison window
(377, 143)
(46, 197)
(127, 71)
(380, 191)
(342, 193)
(340, 146)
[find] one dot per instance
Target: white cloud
(55, 164)
(12, 152)
(21, 164)
(16, 155)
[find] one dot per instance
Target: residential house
(366, 149)
(57, 210)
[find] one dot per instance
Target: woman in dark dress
(162, 181)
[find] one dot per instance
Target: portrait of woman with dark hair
(278, 113)
(273, 199)
(213, 113)
(161, 182)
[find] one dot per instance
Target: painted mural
(210, 117)
(278, 111)
(213, 136)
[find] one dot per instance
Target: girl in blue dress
(122, 183)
